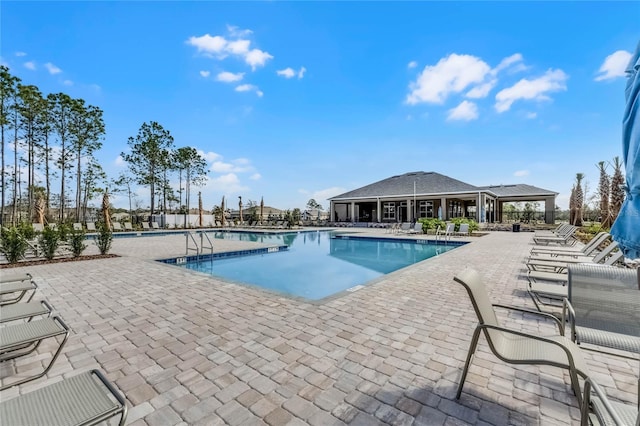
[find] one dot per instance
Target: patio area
(187, 348)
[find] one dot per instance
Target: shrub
(473, 225)
(49, 242)
(431, 223)
(103, 238)
(76, 240)
(12, 244)
(64, 230)
(27, 231)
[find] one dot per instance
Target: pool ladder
(199, 249)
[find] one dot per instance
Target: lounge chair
(557, 264)
(514, 346)
(38, 227)
(562, 277)
(463, 231)
(128, 226)
(155, 225)
(8, 278)
(18, 311)
(116, 227)
(22, 339)
(598, 410)
(587, 250)
(603, 307)
(13, 291)
(85, 399)
(77, 226)
(145, 226)
(558, 231)
(416, 229)
(564, 239)
(91, 227)
(405, 227)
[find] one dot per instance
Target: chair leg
(472, 349)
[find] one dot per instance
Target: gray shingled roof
(517, 190)
(426, 183)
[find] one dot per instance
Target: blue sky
(297, 100)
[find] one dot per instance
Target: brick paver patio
(186, 348)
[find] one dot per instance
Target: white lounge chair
(91, 226)
(86, 399)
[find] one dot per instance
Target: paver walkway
(186, 348)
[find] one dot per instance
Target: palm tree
(579, 201)
(572, 205)
(604, 189)
(617, 189)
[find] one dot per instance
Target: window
(389, 211)
(426, 209)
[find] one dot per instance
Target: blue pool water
(317, 264)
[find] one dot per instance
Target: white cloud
(237, 32)
(531, 115)
(255, 176)
(210, 156)
(30, 65)
(457, 73)
(220, 47)
(68, 83)
(614, 65)
(452, 74)
(482, 90)
(536, 89)
(521, 173)
(21, 54)
(466, 111)
(205, 74)
(52, 68)
(290, 72)
(412, 64)
(240, 165)
(209, 45)
(119, 161)
(229, 77)
(245, 87)
(227, 183)
(249, 88)
(507, 62)
(257, 57)
(286, 73)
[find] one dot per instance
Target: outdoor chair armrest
(586, 401)
(569, 314)
(534, 312)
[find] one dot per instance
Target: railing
(203, 236)
(191, 237)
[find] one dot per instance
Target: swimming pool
(316, 264)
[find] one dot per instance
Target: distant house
(407, 197)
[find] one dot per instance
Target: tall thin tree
(146, 156)
(8, 88)
(86, 127)
(61, 105)
(579, 199)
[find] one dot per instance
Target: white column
(445, 208)
(353, 211)
(378, 209)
